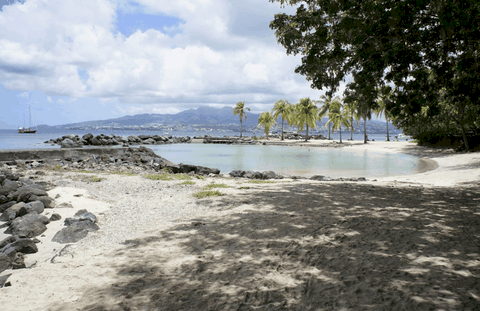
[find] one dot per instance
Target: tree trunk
(306, 137)
(282, 127)
(388, 136)
(241, 128)
(464, 135)
(340, 134)
(364, 130)
(329, 128)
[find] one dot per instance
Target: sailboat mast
(29, 116)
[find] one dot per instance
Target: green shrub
(208, 193)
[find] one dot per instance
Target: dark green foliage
(427, 50)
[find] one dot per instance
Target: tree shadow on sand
(313, 246)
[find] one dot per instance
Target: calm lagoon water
(333, 162)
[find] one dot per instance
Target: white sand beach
(409, 242)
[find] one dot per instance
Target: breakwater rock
(75, 141)
(106, 159)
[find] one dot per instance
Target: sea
(333, 162)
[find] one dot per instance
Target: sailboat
(28, 130)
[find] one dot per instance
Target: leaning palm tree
(266, 120)
(326, 102)
(338, 117)
(240, 109)
(307, 114)
(283, 109)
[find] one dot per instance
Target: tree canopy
(427, 49)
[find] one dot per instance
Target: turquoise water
(333, 162)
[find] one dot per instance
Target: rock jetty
(75, 141)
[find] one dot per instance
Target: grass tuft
(244, 188)
(261, 182)
(187, 182)
(159, 177)
(182, 177)
(84, 171)
(199, 177)
(96, 179)
(211, 186)
(208, 193)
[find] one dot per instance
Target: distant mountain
(202, 115)
(208, 116)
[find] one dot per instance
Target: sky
(74, 61)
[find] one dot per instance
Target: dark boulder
(237, 173)
(3, 199)
(77, 227)
(5, 263)
(30, 225)
(22, 245)
(269, 175)
(74, 232)
(14, 211)
(55, 217)
(3, 280)
(35, 206)
(248, 174)
(8, 186)
(7, 205)
(24, 193)
(87, 136)
(47, 201)
(81, 215)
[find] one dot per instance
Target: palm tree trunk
(388, 136)
(329, 129)
(340, 134)
(364, 130)
(241, 128)
(282, 127)
(306, 137)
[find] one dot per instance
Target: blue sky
(75, 61)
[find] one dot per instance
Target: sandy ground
(409, 242)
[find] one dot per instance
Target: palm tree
(240, 109)
(326, 102)
(382, 101)
(365, 112)
(338, 116)
(282, 108)
(307, 114)
(266, 120)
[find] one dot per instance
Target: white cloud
(224, 53)
(49, 99)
